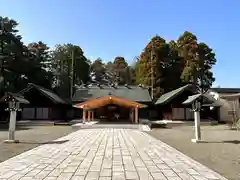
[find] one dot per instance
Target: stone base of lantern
(198, 141)
(11, 141)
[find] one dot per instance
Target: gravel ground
(30, 137)
(221, 152)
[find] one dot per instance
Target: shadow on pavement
(41, 143)
(230, 142)
(18, 128)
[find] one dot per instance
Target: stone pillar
(84, 116)
(136, 115)
(12, 127)
(197, 124)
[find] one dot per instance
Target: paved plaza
(104, 154)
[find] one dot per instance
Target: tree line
(175, 64)
(163, 65)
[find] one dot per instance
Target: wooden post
(136, 115)
(93, 115)
(89, 116)
(130, 114)
(84, 116)
(133, 115)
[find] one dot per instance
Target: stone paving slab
(105, 154)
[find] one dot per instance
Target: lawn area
(221, 152)
(30, 137)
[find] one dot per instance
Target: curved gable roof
(56, 99)
(165, 98)
(134, 93)
(106, 100)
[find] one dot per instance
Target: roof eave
(167, 100)
(19, 99)
(31, 85)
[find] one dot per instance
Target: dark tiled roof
(18, 97)
(207, 100)
(226, 90)
(231, 96)
(165, 98)
(191, 99)
(56, 99)
(134, 93)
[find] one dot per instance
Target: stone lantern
(197, 101)
(13, 102)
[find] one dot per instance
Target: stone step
(116, 126)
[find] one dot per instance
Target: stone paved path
(105, 154)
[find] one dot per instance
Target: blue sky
(110, 28)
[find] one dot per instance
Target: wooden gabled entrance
(93, 104)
